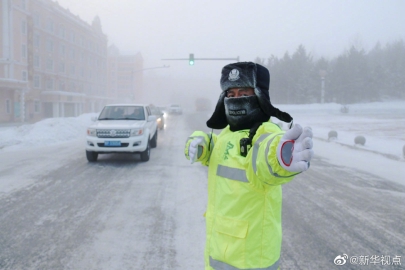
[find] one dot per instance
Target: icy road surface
(120, 213)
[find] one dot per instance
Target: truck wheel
(153, 142)
(145, 155)
(91, 156)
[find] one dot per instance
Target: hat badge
(233, 75)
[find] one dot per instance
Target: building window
(37, 106)
(72, 53)
(49, 45)
(24, 27)
(49, 64)
(37, 20)
(72, 70)
(61, 86)
(82, 42)
(62, 49)
(50, 26)
(62, 31)
(36, 60)
(23, 50)
(8, 106)
(37, 81)
(68, 35)
(24, 75)
(83, 57)
(49, 84)
(37, 40)
(62, 67)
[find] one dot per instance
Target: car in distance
(174, 109)
(160, 116)
(163, 109)
(122, 128)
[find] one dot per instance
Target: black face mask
(243, 112)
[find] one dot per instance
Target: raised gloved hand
(294, 150)
(193, 149)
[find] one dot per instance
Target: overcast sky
(248, 29)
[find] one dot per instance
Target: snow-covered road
(57, 211)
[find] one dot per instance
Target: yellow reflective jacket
(243, 217)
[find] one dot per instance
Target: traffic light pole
(192, 59)
(236, 59)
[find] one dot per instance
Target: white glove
(294, 150)
(193, 149)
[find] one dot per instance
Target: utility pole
(322, 73)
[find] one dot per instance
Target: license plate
(112, 143)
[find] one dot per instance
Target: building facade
(125, 76)
(53, 64)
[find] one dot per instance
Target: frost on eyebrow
(240, 91)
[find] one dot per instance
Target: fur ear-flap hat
(245, 74)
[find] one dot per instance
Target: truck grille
(113, 133)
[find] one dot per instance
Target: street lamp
(164, 66)
(141, 70)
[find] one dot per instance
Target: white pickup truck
(122, 128)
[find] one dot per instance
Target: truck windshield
(122, 113)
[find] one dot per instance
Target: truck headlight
(92, 132)
(136, 132)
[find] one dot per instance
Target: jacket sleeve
(264, 166)
(204, 150)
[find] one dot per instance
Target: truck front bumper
(118, 145)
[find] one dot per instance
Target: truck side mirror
(151, 118)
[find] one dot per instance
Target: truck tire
(145, 155)
(91, 156)
(153, 142)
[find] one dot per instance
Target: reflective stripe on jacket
(243, 218)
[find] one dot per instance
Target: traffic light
(191, 59)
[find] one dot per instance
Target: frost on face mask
(243, 112)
